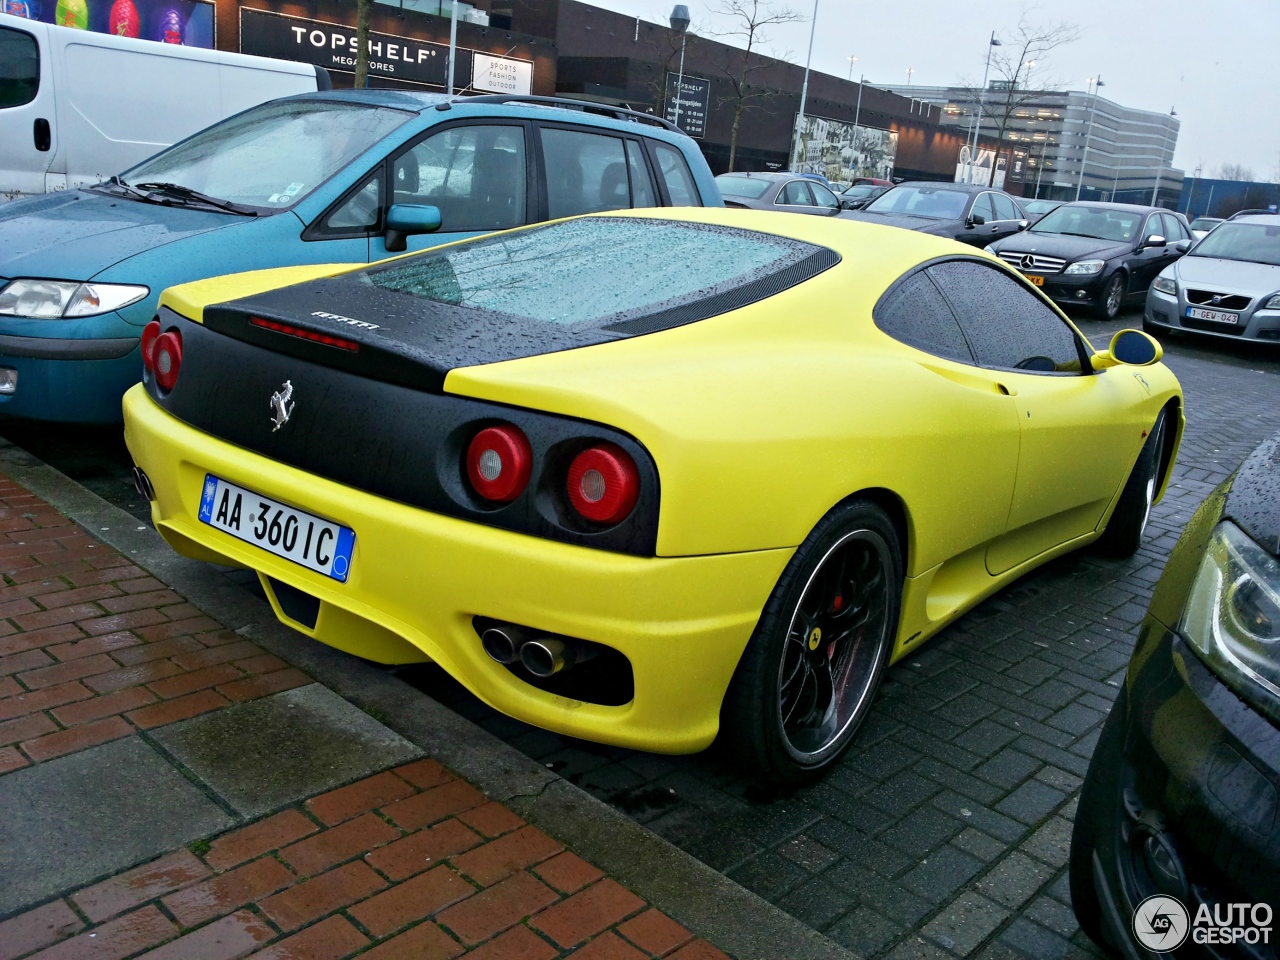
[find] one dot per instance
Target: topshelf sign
(333, 46)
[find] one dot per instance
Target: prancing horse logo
(281, 408)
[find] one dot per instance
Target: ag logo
(1160, 924)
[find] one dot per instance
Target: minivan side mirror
(1155, 240)
(409, 219)
(1132, 348)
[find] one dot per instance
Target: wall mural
(840, 151)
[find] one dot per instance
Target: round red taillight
(166, 358)
(603, 483)
(149, 334)
(499, 462)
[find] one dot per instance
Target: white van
(77, 107)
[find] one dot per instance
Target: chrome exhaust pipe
(142, 483)
(502, 642)
(547, 656)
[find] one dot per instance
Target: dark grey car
(781, 192)
(1227, 286)
(971, 214)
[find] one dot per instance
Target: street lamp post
(680, 24)
(857, 131)
(1160, 169)
(453, 43)
(982, 100)
(1093, 108)
(910, 72)
(804, 89)
(852, 61)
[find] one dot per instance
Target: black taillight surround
(396, 441)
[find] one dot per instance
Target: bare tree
(1235, 171)
(1018, 77)
(740, 62)
(362, 42)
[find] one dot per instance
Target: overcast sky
(1215, 63)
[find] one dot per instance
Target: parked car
(66, 119)
(780, 192)
(971, 214)
(1036, 209)
(858, 195)
(684, 461)
(1202, 225)
(1177, 815)
(1228, 285)
(321, 178)
(818, 178)
(1097, 255)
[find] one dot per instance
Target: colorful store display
(184, 22)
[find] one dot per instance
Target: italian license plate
(1217, 316)
(307, 540)
(1038, 281)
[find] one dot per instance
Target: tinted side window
(19, 67)
(796, 193)
(641, 186)
(675, 173)
(982, 208)
(1007, 326)
(586, 172)
(1006, 209)
(823, 197)
(475, 175)
(915, 313)
(1173, 229)
(1153, 226)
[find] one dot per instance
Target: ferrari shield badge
(282, 406)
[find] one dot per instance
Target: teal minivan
(326, 177)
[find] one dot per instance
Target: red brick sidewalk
(410, 863)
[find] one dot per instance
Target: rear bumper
(1189, 806)
(418, 578)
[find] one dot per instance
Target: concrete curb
(708, 903)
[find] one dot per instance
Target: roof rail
(586, 106)
(1252, 213)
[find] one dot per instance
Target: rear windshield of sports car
(606, 271)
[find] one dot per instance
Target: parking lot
(945, 830)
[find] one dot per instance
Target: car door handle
(42, 134)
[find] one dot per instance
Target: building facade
(1073, 143)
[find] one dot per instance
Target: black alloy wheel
(811, 669)
(1112, 298)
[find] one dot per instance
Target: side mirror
(1155, 240)
(849, 204)
(1022, 225)
(976, 219)
(409, 219)
(1133, 348)
(1182, 246)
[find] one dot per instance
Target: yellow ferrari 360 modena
(648, 477)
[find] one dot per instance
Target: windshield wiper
(129, 189)
(179, 192)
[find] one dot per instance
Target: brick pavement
(945, 831)
(412, 862)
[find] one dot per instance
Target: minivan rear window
(606, 271)
(19, 68)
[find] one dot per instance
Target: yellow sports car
(648, 477)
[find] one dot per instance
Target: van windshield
(271, 156)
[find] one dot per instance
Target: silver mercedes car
(1228, 284)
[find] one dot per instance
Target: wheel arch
(893, 505)
(1169, 449)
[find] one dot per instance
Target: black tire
(1097, 809)
(1112, 298)
(798, 695)
(1123, 534)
